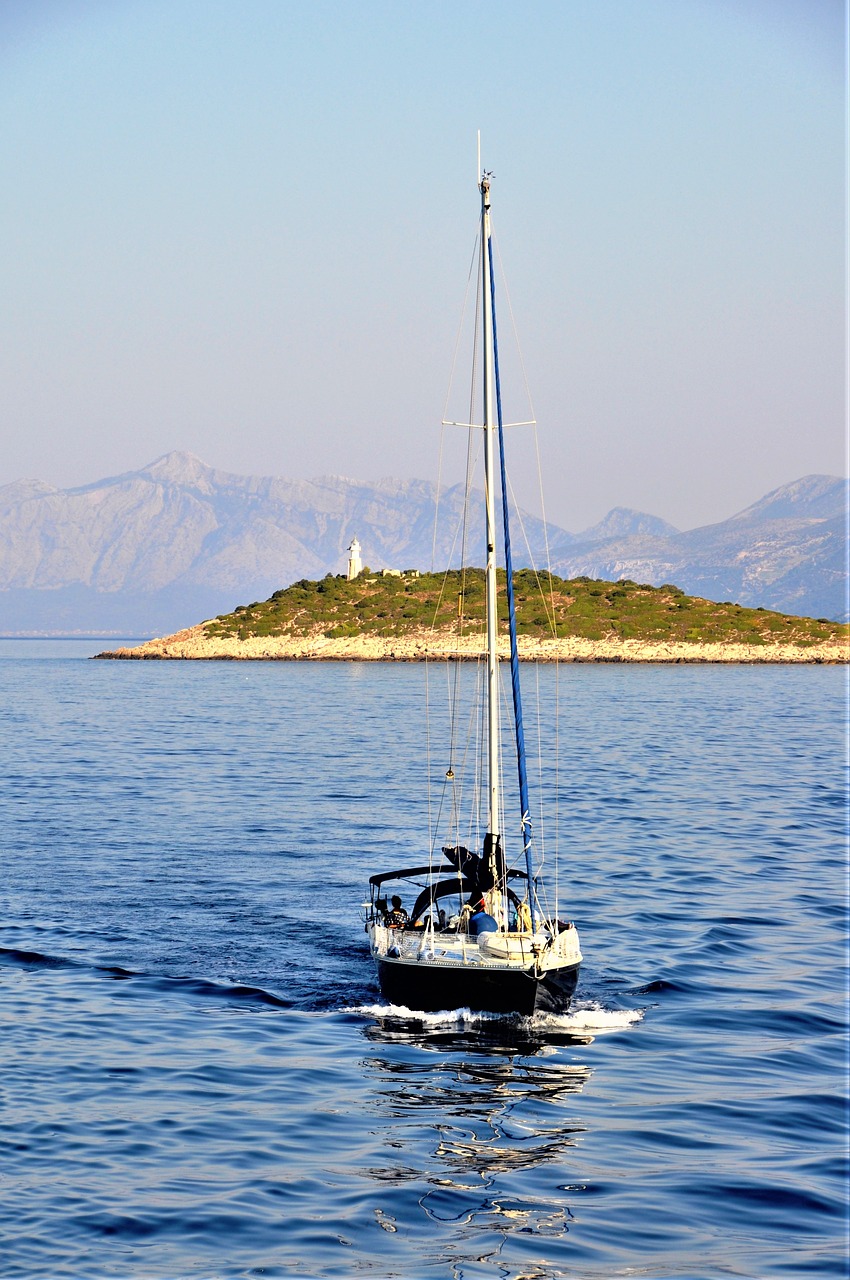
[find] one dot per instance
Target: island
(411, 616)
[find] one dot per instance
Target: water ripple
(199, 1077)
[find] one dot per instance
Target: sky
(245, 230)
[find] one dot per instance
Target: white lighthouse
(355, 564)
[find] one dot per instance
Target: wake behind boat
(479, 934)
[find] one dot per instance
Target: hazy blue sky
(244, 229)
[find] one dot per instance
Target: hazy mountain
(160, 548)
(623, 522)
(788, 551)
(164, 547)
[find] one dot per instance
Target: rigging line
(541, 829)
(445, 575)
(448, 397)
(469, 438)
(453, 677)
(471, 456)
(458, 335)
(502, 884)
(545, 534)
(454, 816)
(461, 604)
(504, 281)
(536, 438)
(454, 673)
(475, 819)
(446, 784)
(471, 459)
(472, 385)
(452, 681)
(548, 604)
(503, 694)
(437, 500)
(432, 822)
(517, 695)
(475, 727)
(470, 738)
(557, 784)
(452, 707)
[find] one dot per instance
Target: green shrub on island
(547, 607)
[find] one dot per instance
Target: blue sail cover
(522, 767)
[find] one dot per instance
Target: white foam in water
(587, 1017)
(445, 1017)
(590, 1016)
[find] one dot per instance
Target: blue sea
(200, 1079)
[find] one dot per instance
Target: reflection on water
(519, 1035)
(486, 1105)
(236, 1105)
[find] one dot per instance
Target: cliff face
(195, 644)
(160, 548)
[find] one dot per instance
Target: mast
(493, 427)
(522, 766)
(490, 427)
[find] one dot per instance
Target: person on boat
(396, 918)
(523, 918)
(481, 921)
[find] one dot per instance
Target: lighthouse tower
(355, 564)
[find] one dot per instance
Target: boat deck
(505, 951)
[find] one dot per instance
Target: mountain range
(151, 551)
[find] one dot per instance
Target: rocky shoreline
(195, 644)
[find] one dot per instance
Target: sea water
(200, 1079)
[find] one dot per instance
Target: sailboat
(478, 934)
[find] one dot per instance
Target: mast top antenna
(484, 175)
